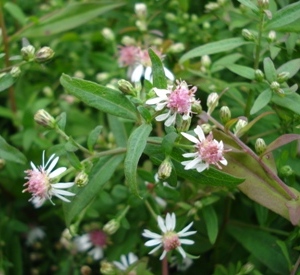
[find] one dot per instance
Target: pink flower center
(128, 55)
(170, 241)
(98, 238)
(180, 100)
(38, 183)
(210, 150)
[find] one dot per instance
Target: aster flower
(126, 261)
(35, 234)
(94, 242)
(177, 102)
(208, 151)
(169, 238)
(40, 182)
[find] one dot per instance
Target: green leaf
(61, 120)
(168, 142)
(118, 129)
(262, 100)
(291, 67)
(11, 153)
(69, 17)
(285, 16)
(243, 71)
(262, 246)
(100, 97)
(249, 4)
(6, 81)
(102, 171)
(136, 145)
(290, 101)
(269, 69)
(211, 222)
(73, 159)
(224, 61)
(159, 78)
(16, 12)
(285, 252)
(214, 47)
(93, 137)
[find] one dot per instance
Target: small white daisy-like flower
(40, 182)
(177, 102)
(126, 261)
(169, 238)
(208, 151)
(93, 242)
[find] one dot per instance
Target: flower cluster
(177, 102)
(208, 151)
(169, 238)
(40, 182)
(139, 63)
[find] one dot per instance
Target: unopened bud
(141, 25)
(79, 74)
(239, 125)
(196, 108)
(259, 75)
(212, 6)
(260, 146)
(176, 48)
(2, 163)
(126, 87)
(111, 227)
(165, 169)
(15, 71)
(82, 179)
(128, 41)
(170, 16)
(249, 36)
(108, 34)
(225, 114)
(43, 118)
(206, 128)
(283, 77)
(206, 25)
(263, 4)
(271, 36)
(107, 268)
(44, 54)
(183, 125)
(140, 10)
(85, 270)
(275, 86)
(102, 76)
(286, 171)
(247, 268)
(206, 61)
(212, 102)
(28, 52)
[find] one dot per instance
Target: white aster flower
(177, 102)
(126, 261)
(169, 238)
(93, 242)
(40, 182)
(208, 151)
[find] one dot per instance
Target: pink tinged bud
(44, 54)
(43, 118)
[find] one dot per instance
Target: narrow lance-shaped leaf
(10, 153)
(103, 170)
(270, 70)
(285, 16)
(102, 98)
(6, 81)
(214, 47)
(136, 145)
(211, 222)
(243, 71)
(159, 78)
(262, 100)
(291, 67)
(282, 140)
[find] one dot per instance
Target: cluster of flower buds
(44, 54)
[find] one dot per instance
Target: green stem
(251, 94)
(295, 267)
(151, 209)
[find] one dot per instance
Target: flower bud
(286, 171)
(196, 108)
(128, 41)
(140, 10)
(206, 128)
(126, 87)
(272, 36)
(225, 114)
(15, 71)
(260, 146)
(283, 77)
(211, 6)
(79, 74)
(43, 118)
(259, 75)
(212, 102)
(263, 4)
(107, 268)
(206, 61)
(176, 48)
(44, 54)
(183, 125)
(82, 179)
(102, 76)
(2, 163)
(111, 227)
(28, 52)
(249, 36)
(108, 34)
(165, 169)
(141, 25)
(206, 25)
(275, 86)
(239, 125)
(170, 16)
(247, 268)
(85, 270)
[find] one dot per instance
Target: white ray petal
(57, 172)
(190, 137)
